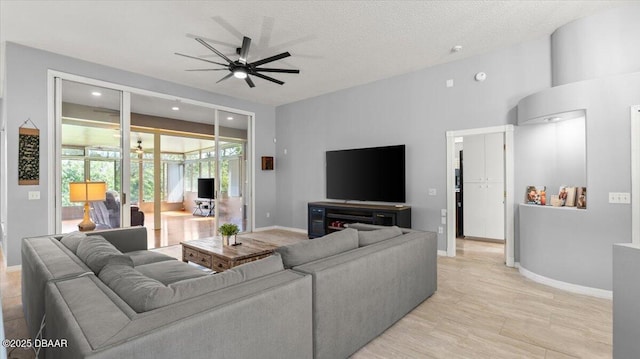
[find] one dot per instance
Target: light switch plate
(33, 195)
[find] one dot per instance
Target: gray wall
(584, 240)
(578, 251)
(599, 45)
(25, 96)
(415, 109)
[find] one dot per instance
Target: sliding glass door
(90, 137)
(149, 150)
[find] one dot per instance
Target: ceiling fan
(240, 68)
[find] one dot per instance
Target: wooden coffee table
(210, 253)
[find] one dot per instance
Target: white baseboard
(442, 253)
(15, 268)
(569, 287)
(297, 230)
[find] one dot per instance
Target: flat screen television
(367, 174)
(206, 188)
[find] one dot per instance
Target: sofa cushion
(143, 293)
(96, 252)
(72, 240)
(307, 251)
(139, 291)
(260, 268)
(143, 257)
(366, 238)
(167, 272)
(244, 272)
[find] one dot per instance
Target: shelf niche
(552, 151)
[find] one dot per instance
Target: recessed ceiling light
(96, 93)
(229, 118)
(175, 108)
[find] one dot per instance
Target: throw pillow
(72, 240)
(96, 252)
(311, 250)
(366, 238)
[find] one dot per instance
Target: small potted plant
(228, 232)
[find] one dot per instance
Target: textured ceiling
(335, 44)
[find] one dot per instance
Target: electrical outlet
(268, 214)
(432, 192)
(624, 197)
(440, 230)
(443, 212)
(620, 197)
(33, 195)
(450, 83)
(443, 220)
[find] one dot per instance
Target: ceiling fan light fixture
(241, 69)
(240, 73)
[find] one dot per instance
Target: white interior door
(494, 157)
(494, 210)
(483, 188)
(474, 158)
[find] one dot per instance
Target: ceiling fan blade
(226, 77)
(270, 59)
(268, 78)
(286, 71)
(206, 69)
(201, 59)
(205, 44)
(244, 51)
(249, 82)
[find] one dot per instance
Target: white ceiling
(335, 44)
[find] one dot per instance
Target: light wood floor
(482, 309)
(175, 227)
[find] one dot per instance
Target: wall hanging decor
(267, 163)
(28, 155)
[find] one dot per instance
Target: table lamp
(87, 192)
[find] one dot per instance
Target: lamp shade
(87, 191)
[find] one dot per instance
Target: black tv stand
(328, 217)
(205, 207)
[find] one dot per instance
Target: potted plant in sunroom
(228, 232)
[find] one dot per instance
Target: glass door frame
(54, 156)
(125, 160)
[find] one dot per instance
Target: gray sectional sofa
(365, 278)
(141, 304)
(323, 298)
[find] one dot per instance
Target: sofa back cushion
(72, 240)
(311, 250)
(366, 238)
(143, 293)
(139, 291)
(261, 267)
(96, 252)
